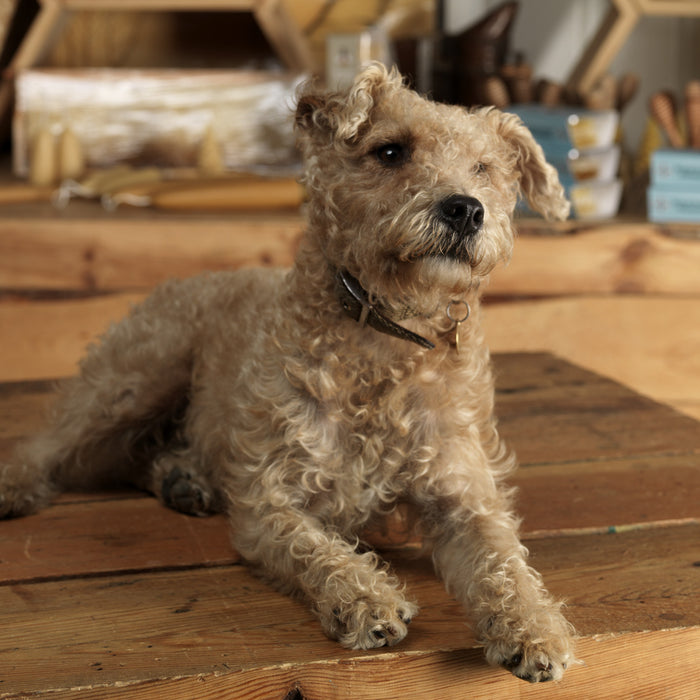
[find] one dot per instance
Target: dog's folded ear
(342, 116)
(539, 181)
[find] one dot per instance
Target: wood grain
(87, 249)
(650, 343)
(140, 628)
(50, 336)
(98, 253)
(102, 592)
(94, 537)
(616, 667)
(608, 258)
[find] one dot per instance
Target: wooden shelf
(136, 248)
(282, 33)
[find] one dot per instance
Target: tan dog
(307, 402)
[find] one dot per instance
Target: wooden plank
(575, 414)
(50, 337)
(22, 409)
(606, 258)
(608, 494)
(649, 343)
(114, 253)
(668, 8)
(87, 249)
(616, 668)
(108, 537)
(610, 488)
(604, 46)
(221, 622)
(578, 415)
(277, 22)
(127, 532)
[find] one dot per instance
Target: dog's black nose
(464, 214)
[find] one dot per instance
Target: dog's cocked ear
(539, 181)
(343, 115)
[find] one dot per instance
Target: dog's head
(413, 197)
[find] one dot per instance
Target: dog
(305, 403)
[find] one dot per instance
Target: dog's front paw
(368, 625)
(536, 654)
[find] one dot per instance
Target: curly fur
(254, 393)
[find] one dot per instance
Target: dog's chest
(380, 428)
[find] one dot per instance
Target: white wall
(552, 34)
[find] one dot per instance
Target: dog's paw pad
(385, 634)
(185, 494)
(534, 664)
(387, 628)
(381, 626)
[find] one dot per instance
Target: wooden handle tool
(627, 88)
(662, 106)
(217, 194)
(692, 112)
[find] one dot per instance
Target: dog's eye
(392, 154)
(480, 168)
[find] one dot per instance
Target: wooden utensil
(217, 194)
(626, 90)
(692, 112)
(662, 106)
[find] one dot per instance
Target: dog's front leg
(357, 600)
(483, 564)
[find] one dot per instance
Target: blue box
(676, 167)
(577, 128)
(675, 203)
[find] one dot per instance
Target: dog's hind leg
(177, 479)
(117, 414)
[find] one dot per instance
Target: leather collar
(355, 302)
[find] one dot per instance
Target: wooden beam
(606, 258)
(649, 343)
(610, 37)
(123, 252)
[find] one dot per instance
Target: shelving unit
(272, 16)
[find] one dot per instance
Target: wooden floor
(111, 595)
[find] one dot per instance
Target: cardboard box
(676, 167)
(673, 203)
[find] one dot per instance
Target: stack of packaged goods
(674, 191)
(581, 145)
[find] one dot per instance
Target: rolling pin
(217, 194)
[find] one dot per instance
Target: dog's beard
(442, 241)
(449, 250)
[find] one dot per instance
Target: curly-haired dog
(306, 402)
